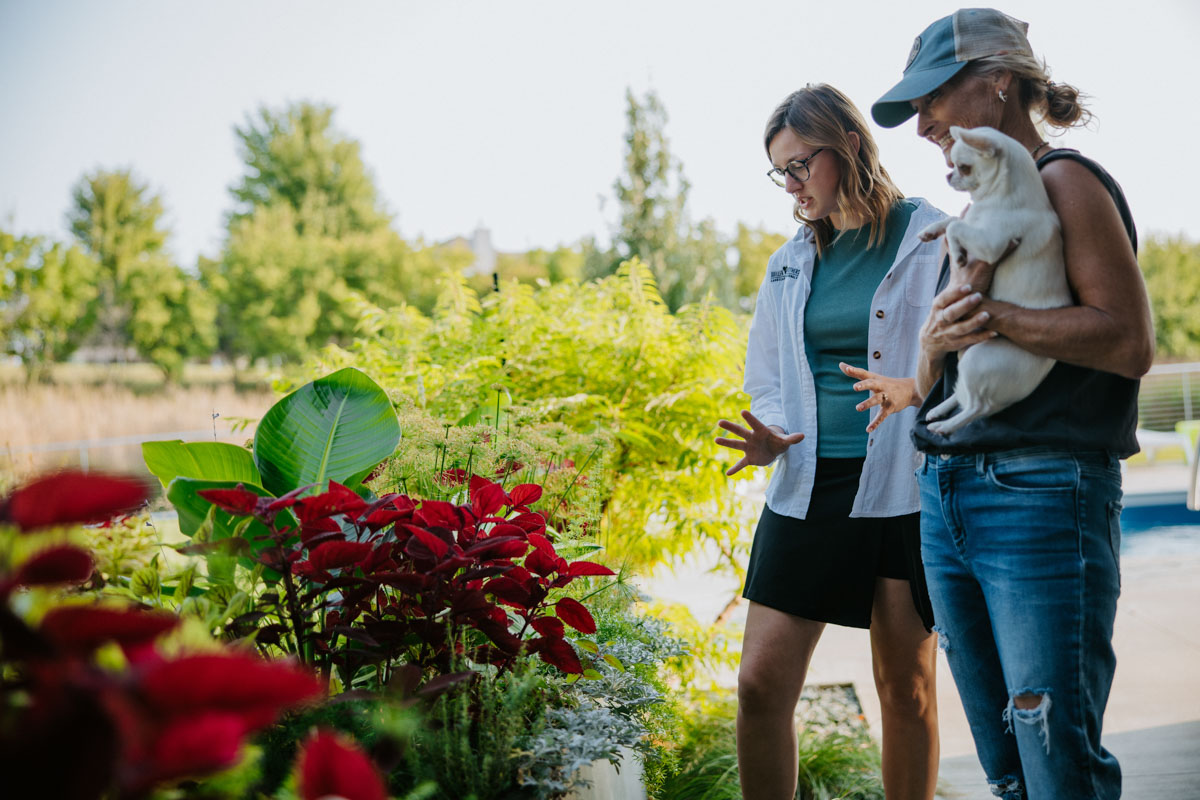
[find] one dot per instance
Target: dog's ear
(977, 139)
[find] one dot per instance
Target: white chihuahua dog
(1008, 201)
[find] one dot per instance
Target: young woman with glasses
(837, 542)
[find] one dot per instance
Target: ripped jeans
(1021, 554)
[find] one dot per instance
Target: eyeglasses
(798, 169)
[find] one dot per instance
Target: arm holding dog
(1110, 329)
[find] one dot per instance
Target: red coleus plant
(72, 729)
(331, 766)
(392, 580)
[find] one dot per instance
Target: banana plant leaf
(212, 461)
(335, 428)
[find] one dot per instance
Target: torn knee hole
(1007, 788)
(1027, 702)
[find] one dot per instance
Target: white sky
(511, 114)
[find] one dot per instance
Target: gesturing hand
(890, 394)
(761, 444)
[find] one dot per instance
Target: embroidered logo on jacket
(786, 272)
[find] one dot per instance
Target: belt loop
(980, 463)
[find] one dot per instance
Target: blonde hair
(1059, 105)
(824, 117)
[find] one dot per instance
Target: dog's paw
(942, 428)
(960, 257)
(928, 235)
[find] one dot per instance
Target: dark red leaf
(431, 542)
(541, 563)
(486, 497)
(331, 766)
(338, 500)
(578, 569)
(408, 582)
(239, 502)
(316, 531)
(288, 500)
(508, 591)
(438, 685)
(195, 746)
(542, 543)
(62, 563)
(500, 635)
(72, 497)
(498, 547)
(573, 613)
(84, 628)
(338, 555)
(438, 514)
(559, 653)
(525, 494)
(255, 689)
(531, 522)
(549, 627)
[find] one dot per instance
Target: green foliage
(47, 294)
(605, 357)
(144, 300)
(296, 159)
(1171, 266)
(688, 260)
(754, 247)
(309, 242)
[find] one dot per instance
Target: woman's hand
(954, 323)
(761, 444)
(890, 394)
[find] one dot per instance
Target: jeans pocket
(1114, 534)
(1033, 473)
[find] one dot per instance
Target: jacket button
(876, 354)
(879, 313)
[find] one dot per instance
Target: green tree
(1171, 266)
(47, 294)
(688, 260)
(143, 299)
(308, 242)
(754, 247)
(296, 158)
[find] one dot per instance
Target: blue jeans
(1021, 554)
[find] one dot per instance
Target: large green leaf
(213, 461)
(336, 428)
(193, 509)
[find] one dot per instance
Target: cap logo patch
(912, 55)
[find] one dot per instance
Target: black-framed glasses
(798, 169)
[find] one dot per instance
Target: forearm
(929, 372)
(1082, 335)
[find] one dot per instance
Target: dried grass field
(94, 403)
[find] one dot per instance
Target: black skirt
(824, 567)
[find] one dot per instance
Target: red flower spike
(487, 497)
(549, 627)
(525, 494)
(255, 689)
(81, 629)
(338, 555)
(59, 564)
(239, 502)
(558, 653)
(579, 569)
(72, 497)
(573, 613)
(330, 766)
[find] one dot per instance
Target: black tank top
(1073, 408)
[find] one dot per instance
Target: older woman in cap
(1020, 511)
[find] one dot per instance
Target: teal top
(836, 316)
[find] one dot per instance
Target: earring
(1003, 97)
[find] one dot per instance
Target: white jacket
(780, 383)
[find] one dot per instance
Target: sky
(510, 115)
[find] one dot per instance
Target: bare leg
(776, 649)
(904, 655)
